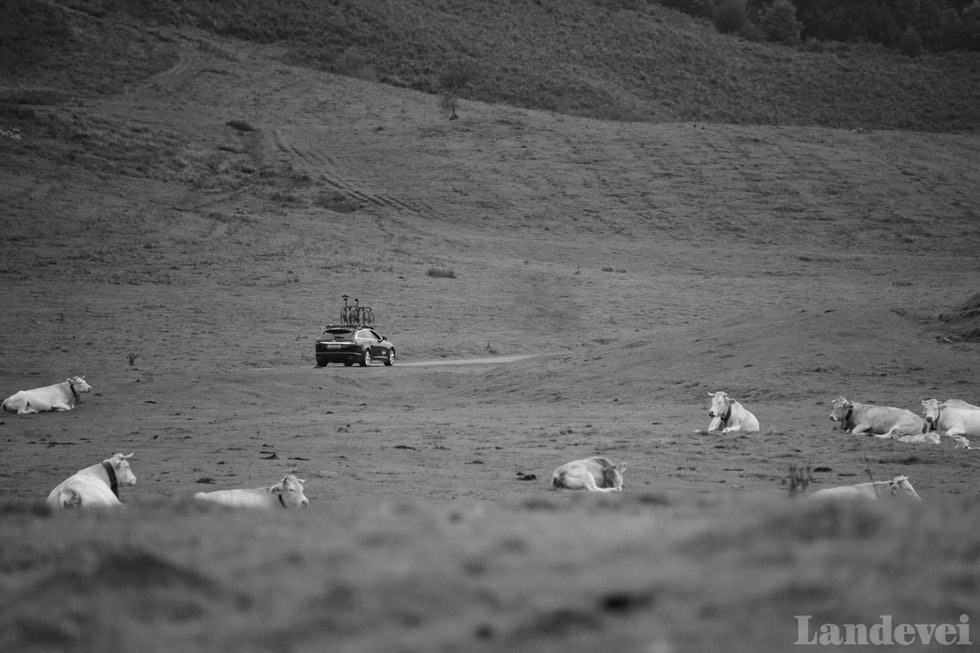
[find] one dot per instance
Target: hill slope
(179, 231)
(633, 61)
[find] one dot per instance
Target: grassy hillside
(626, 60)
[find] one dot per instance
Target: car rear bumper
(337, 354)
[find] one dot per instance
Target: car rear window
(339, 333)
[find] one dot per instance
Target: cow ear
(621, 467)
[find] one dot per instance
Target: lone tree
(451, 82)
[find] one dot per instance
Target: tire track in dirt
(311, 158)
(176, 77)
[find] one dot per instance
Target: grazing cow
(953, 418)
(60, 396)
(729, 415)
(897, 488)
(94, 487)
(881, 421)
(287, 493)
(595, 474)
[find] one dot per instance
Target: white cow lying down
(287, 493)
(897, 488)
(60, 396)
(880, 421)
(729, 416)
(596, 474)
(94, 487)
(954, 419)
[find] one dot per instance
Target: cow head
(900, 488)
(931, 409)
(841, 411)
(79, 385)
(613, 476)
(120, 464)
(721, 404)
(289, 492)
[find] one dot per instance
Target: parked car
(353, 344)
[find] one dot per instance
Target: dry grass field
(183, 242)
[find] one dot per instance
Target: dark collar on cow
(281, 500)
(113, 483)
(846, 424)
(727, 416)
(73, 393)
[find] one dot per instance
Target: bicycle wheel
(367, 315)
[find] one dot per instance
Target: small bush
(730, 17)
(444, 273)
(285, 197)
(337, 202)
(910, 43)
(240, 125)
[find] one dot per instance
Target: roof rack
(355, 315)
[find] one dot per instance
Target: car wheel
(391, 358)
(321, 363)
(366, 359)
(348, 363)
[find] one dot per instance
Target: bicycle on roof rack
(355, 314)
